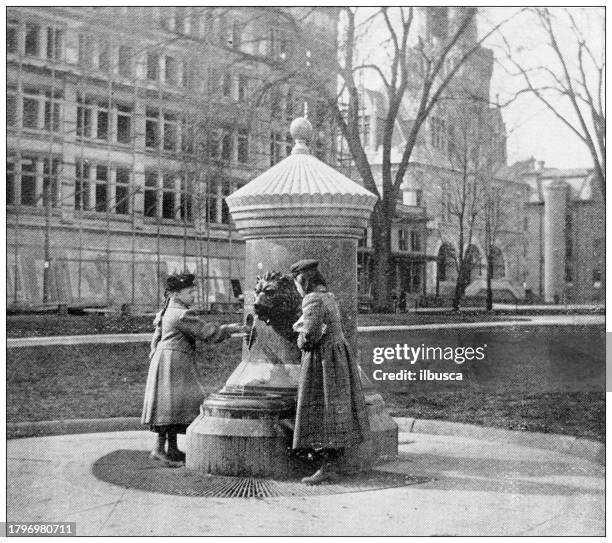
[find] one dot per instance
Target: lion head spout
(277, 302)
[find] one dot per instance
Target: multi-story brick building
(126, 128)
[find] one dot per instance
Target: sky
(532, 129)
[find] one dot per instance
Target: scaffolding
(145, 121)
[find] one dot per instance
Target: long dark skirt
(331, 411)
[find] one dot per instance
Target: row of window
(48, 42)
(407, 240)
(99, 119)
(108, 188)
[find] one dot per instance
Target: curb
(565, 320)
(588, 449)
(576, 446)
(72, 426)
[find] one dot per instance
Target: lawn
(64, 382)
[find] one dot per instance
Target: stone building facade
(126, 129)
(464, 138)
(565, 225)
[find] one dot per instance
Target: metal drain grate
(135, 469)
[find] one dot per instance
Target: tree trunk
(381, 244)
(490, 279)
(460, 270)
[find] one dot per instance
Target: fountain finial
(301, 131)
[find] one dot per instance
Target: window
(597, 275)
(186, 209)
(236, 39)
(211, 201)
(11, 107)
(124, 124)
(275, 103)
(170, 132)
(28, 181)
(30, 108)
(122, 190)
(418, 193)
(103, 120)
(150, 193)
(104, 57)
(227, 84)
(152, 129)
(10, 179)
(81, 187)
(276, 147)
(288, 144)
(188, 75)
(168, 197)
(84, 116)
(214, 144)
(438, 133)
(101, 188)
(222, 37)
(214, 81)
(152, 66)
(243, 146)
(52, 111)
(50, 181)
(415, 241)
(363, 240)
(12, 40)
(525, 223)
(179, 19)
(126, 54)
(402, 243)
(226, 146)
(55, 43)
(85, 50)
(32, 34)
(243, 85)
(172, 72)
(188, 135)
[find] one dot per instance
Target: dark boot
(326, 472)
(158, 453)
(173, 451)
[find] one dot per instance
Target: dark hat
(178, 281)
(303, 265)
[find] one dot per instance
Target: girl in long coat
(173, 392)
(331, 413)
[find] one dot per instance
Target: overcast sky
(532, 129)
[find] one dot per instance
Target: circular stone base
(136, 469)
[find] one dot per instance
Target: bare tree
(576, 79)
(422, 68)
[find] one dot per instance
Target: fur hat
(179, 281)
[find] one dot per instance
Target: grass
(580, 414)
(64, 382)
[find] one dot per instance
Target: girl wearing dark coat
(173, 392)
(331, 413)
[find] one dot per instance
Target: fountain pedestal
(300, 208)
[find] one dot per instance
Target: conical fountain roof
(313, 194)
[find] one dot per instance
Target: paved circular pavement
(459, 486)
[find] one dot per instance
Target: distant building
(126, 128)
(565, 228)
(460, 134)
